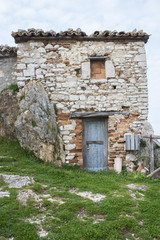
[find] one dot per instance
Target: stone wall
(63, 67)
(8, 113)
(8, 60)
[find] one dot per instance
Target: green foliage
(37, 187)
(142, 143)
(34, 123)
(55, 108)
(22, 97)
(51, 128)
(122, 214)
(58, 129)
(13, 87)
(156, 147)
(48, 112)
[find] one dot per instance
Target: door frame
(105, 121)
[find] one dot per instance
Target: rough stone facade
(63, 66)
(8, 60)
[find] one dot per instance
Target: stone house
(99, 85)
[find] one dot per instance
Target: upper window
(97, 67)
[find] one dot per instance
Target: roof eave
(21, 39)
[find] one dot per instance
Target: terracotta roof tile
(6, 51)
(35, 34)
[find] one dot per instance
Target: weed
(37, 187)
(22, 97)
(156, 147)
(142, 143)
(34, 123)
(48, 112)
(55, 108)
(13, 87)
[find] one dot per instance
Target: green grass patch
(124, 217)
(13, 87)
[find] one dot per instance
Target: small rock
(25, 195)
(42, 233)
(16, 181)
(4, 194)
(94, 197)
(133, 186)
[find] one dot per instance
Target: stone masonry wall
(63, 67)
(7, 71)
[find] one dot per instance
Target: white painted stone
(65, 138)
(82, 97)
(29, 72)
(118, 165)
(70, 146)
(73, 97)
(41, 50)
(56, 46)
(41, 60)
(49, 46)
(140, 58)
(69, 127)
(142, 64)
(61, 65)
(110, 70)
(19, 78)
(86, 70)
(69, 84)
(21, 66)
(20, 84)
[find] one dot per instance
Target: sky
(91, 15)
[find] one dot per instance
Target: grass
(13, 87)
(124, 217)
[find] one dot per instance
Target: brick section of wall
(73, 139)
(117, 127)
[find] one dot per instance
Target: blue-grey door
(95, 144)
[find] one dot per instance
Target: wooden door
(95, 144)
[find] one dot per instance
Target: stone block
(69, 127)
(140, 58)
(49, 46)
(86, 72)
(73, 97)
(82, 97)
(21, 66)
(41, 50)
(110, 70)
(70, 146)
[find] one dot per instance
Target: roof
(7, 51)
(39, 34)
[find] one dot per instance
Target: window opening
(98, 68)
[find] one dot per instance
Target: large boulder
(36, 126)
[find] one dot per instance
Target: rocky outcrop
(8, 112)
(36, 126)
